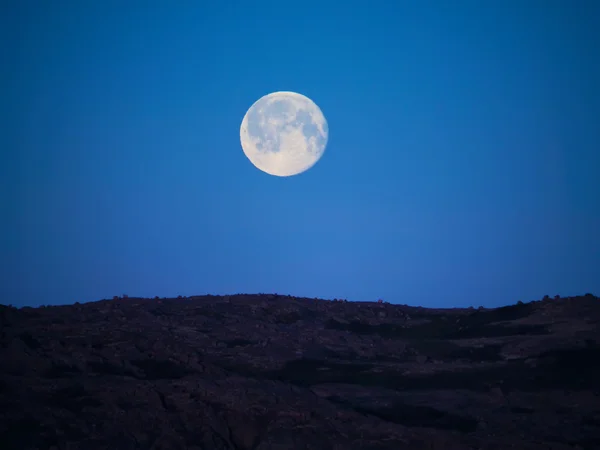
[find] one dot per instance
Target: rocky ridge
(266, 372)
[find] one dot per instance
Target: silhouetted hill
(266, 372)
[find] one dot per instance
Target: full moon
(284, 134)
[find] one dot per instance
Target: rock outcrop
(266, 372)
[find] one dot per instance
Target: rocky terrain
(266, 372)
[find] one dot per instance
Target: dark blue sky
(462, 165)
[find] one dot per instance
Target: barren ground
(266, 372)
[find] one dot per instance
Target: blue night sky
(462, 164)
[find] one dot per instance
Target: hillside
(266, 372)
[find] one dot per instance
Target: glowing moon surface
(284, 134)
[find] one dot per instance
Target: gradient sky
(462, 165)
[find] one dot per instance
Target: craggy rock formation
(267, 372)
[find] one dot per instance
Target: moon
(284, 133)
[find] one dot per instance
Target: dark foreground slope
(266, 372)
